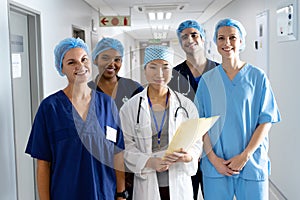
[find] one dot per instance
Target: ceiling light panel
(168, 15)
(160, 15)
(151, 16)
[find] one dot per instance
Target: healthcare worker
(238, 163)
(186, 75)
(108, 57)
(149, 121)
(76, 136)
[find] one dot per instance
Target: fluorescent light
(151, 15)
(168, 15)
(160, 16)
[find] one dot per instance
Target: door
(25, 83)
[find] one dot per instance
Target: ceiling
(141, 28)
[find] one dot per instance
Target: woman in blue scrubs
(76, 137)
(236, 161)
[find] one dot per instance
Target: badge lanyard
(162, 121)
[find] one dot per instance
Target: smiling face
(158, 73)
(191, 41)
(109, 63)
(76, 66)
(228, 42)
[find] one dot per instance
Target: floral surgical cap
(106, 44)
(190, 24)
(233, 23)
(158, 52)
(63, 47)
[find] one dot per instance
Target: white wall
(57, 18)
(284, 76)
(7, 155)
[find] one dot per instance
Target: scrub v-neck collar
(71, 109)
(237, 77)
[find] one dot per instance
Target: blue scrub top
(127, 88)
(81, 152)
(242, 103)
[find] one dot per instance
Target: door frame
(35, 53)
(35, 67)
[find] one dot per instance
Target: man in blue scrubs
(186, 75)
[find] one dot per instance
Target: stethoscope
(178, 84)
(176, 111)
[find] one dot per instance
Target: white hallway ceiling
(142, 28)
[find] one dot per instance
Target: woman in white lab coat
(149, 121)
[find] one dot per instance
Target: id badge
(111, 134)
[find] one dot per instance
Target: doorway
(24, 27)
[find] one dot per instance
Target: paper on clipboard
(189, 132)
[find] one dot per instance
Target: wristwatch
(123, 194)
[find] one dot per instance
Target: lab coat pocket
(143, 137)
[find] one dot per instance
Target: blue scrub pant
(225, 188)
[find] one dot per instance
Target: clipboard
(189, 132)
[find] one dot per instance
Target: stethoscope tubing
(178, 84)
(176, 111)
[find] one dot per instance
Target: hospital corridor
(31, 29)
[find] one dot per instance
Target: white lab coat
(138, 148)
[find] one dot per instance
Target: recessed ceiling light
(168, 15)
(151, 15)
(160, 16)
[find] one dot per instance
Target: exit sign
(106, 21)
(154, 41)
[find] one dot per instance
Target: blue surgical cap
(233, 23)
(63, 47)
(158, 52)
(106, 44)
(190, 24)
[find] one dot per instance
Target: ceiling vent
(160, 7)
